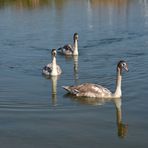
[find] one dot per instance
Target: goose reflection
(74, 59)
(54, 90)
(75, 63)
(121, 127)
(87, 100)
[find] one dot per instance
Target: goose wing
(66, 49)
(59, 69)
(47, 69)
(88, 90)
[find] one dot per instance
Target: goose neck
(118, 92)
(54, 66)
(75, 52)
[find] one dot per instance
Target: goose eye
(123, 64)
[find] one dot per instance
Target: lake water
(35, 111)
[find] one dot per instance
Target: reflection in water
(54, 80)
(59, 5)
(54, 90)
(121, 127)
(87, 100)
(76, 76)
(145, 7)
(117, 3)
(89, 15)
(21, 4)
(75, 67)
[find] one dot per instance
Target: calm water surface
(34, 110)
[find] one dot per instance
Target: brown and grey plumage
(98, 91)
(52, 69)
(69, 49)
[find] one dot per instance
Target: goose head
(75, 36)
(122, 65)
(53, 52)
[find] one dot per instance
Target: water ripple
(101, 42)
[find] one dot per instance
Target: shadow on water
(122, 128)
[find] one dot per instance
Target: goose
(52, 69)
(69, 49)
(97, 91)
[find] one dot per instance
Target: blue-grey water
(34, 110)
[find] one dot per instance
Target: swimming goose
(98, 91)
(52, 69)
(69, 49)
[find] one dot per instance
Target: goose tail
(71, 90)
(66, 88)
